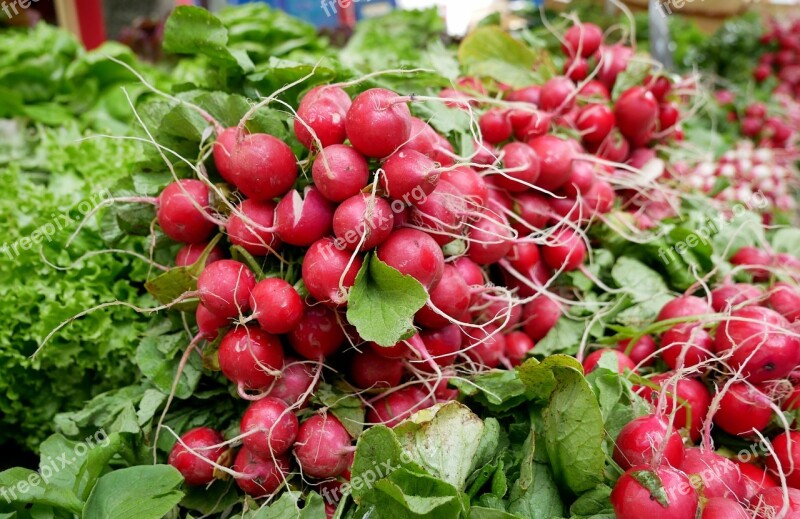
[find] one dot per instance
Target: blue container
(373, 8)
(321, 13)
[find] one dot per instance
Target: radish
(442, 345)
(642, 353)
(414, 254)
(490, 239)
(743, 409)
(518, 345)
(369, 370)
(484, 346)
(262, 477)
(787, 451)
(623, 361)
(636, 113)
(205, 442)
(533, 209)
(685, 306)
(615, 148)
(294, 382)
(276, 305)
(721, 477)
(450, 296)
(442, 213)
(632, 500)
(329, 273)
(397, 406)
(378, 122)
(529, 94)
(660, 86)
(538, 124)
(566, 252)
(595, 91)
(223, 148)
(521, 167)
(496, 126)
(576, 69)
(470, 271)
(469, 183)
(323, 447)
(398, 351)
(189, 254)
(556, 157)
(340, 172)
(721, 508)
(250, 357)
(756, 478)
(318, 335)
(770, 502)
(277, 427)
(686, 346)
(761, 344)
(785, 299)
(582, 39)
(225, 287)
(409, 174)
(263, 167)
(668, 116)
(425, 140)
(728, 296)
(600, 198)
(303, 219)
(558, 95)
(324, 109)
(648, 440)
(524, 256)
(252, 227)
(693, 401)
(539, 316)
(595, 122)
(613, 60)
(208, 323)
(180, 215)
(362, 222)
(753, 259)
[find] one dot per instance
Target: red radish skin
(524, 256)
(377, 124)
(595, 91)
(755, 262)
(442, 213)
(324, 109)
(323, 447)
(595, 123)
(225, 288)
(785, 299)
(496, 126)
(180, 211)
(631, 500)
(397, 406)
(692, 397)
(518, 344)
(252, 227)
(451, 296)
(615, 148)
(636, 113)
(329, 273)
(576, 69)
(189, 254)
(721, 508)
(770, 502)
(294, 383)
(613, 60)
(208, 323)
(398, 351)
(250, 357)
(582, 39)
(533, 209)
(303, 219)
(469, 183)
(442, 345)
(340, 172)
(204, 441)
(522, 165)
(263, 477)
(223, 149)
(733, 295)
(263, 167)
(686, 346)
(721, 477)
(566, 251)
(558, 95)
(648, 440)
(363, 222)
(685, 306)
(368, 370)
(756, 478)
(743, 410)
(593, 359)
(409, 176)
(276, 305)
(540, 316)
(484, 346)
(668, 116)
(556, 157)
(490, 239)
(660, 86)
(425, 140)
(538, 124)
(414, 254)
(787, 451)
(318, 335)
(277, 427)
(642, 353)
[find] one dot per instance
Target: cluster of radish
(741, 341)
(783, 59)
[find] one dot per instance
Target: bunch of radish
(783, 59)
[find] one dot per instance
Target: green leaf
(158, 358)
(564, 338)
(378, 453)
(497, 390)
(288, 507)
(541, 498)
(383, 302)
(788, 241)
(594, 502)
(346, 407)
(540, 378)
(650, 480)
(477, 512)
(638, 280)
(26, 486)
(173, 284)
(141, 492)
(412, 495)
(492, 52)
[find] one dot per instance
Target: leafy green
(491, 52)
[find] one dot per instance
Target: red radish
(328, 271)
(294, 382)
(660, 86)
(595, 122)
(648, 440)
(685, 306)
(469, 183)
(340, 172)
(496, 126)
(303, 219)
(413, 253)
(593, 359)
(323, 447)
(722, 508)
(756, 478)
(189, 254)
(751, 127)
(490, 239)
(277, 427)
(252, 227)
(524, 256)
(485, 153)
(262, 476)
(276, 305)
(518, 344)
(691, 395)
(770, 502)
(223, 148)
(686, 346)
(613, 60)
(558, 95)
(318, 335)
(398, 351)
(721, 477)
(450, 296)
(324, 109)
(556, 157)
(761, 344)
(742, 410)
(668, 116)
(442, 213)
(378, 123)
(180, 211)
(369, 370)
(497, 311)
(484, 346)
(582, 39)
(540, 316)
(538, 125)
(397, 406)
(362, 222)
(470, 271)
(636, 113)
(425, 140)
(787, 451)
(642, 353)
(442, 345)
(263, 167)
(208, 323)
(632, 500)
(732, 295)
(792, 401)
(567, 251)
(529, 94)
(205, 442)
(785, 299)
(225, 288)
(576, 69)
(753, 259)
(250, 357)
(614, 148)
(595, 91)
(409, 176)
(521, 166)
(600, 197)
(533, 209)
